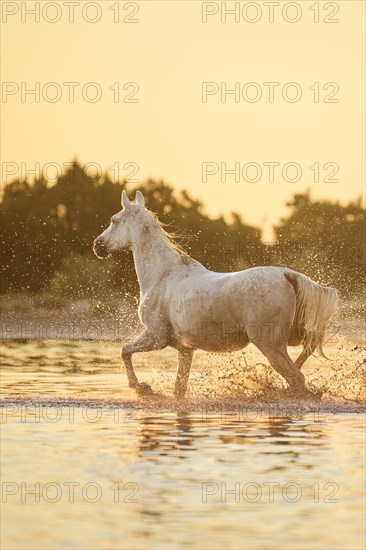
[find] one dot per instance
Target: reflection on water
(110, 478)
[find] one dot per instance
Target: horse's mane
(171, 238)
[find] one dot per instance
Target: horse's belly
(214, 336)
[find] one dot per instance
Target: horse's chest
(151, 307)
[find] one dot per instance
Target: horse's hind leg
(185, 357)
(282, 363)
(306, 352)
(146, 341)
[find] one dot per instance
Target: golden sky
(169, 132)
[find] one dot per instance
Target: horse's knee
(125, 353)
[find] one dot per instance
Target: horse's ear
(125, 201)
(140, 198)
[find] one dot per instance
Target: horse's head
(123, 228)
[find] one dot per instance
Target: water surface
(87, 465)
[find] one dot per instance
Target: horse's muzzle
(100, 248)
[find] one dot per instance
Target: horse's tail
(315, 304)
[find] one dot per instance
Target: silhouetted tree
(326, 240)
(44, 226)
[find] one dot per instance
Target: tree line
(48, 231)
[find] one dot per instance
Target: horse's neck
(153, 257)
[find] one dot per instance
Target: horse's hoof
(144, 389)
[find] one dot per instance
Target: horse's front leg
(185, 357)
(146, 341)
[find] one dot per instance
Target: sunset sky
(170, 131)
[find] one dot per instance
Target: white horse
(188, 307)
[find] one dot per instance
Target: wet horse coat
(188, 307)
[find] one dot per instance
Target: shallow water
(87, 465)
